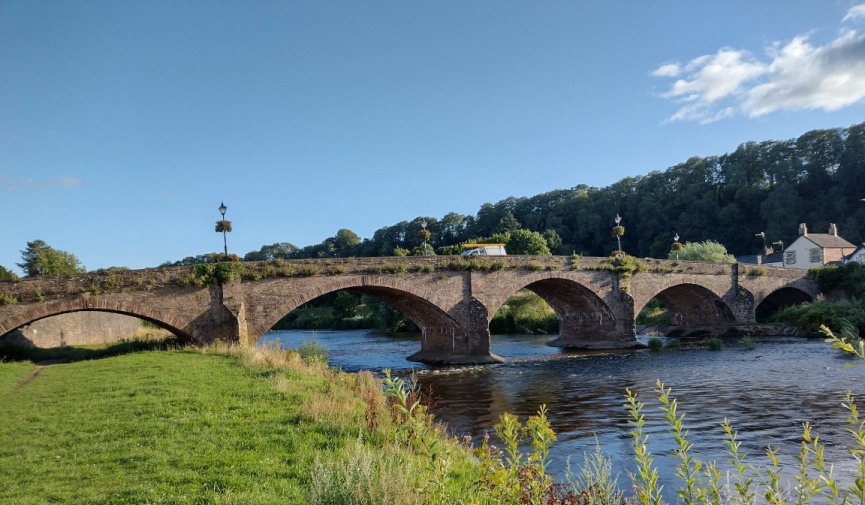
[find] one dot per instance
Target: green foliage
(848, 279)
(708, 250)
(7, 275)
(204, 274)
(527, 242)
(7, 299)
(279, 250)
(223, 225)
(653, 313)
(622, 264)
(848, 339)
(41, 259)
(345, 305)
(809, 317)
(748, 343)
(715, 344)
(756, 271)
(311, 352)
(575, 261)
(655, 344)
(524, 312)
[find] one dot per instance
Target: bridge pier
(225, 317)
(467, 344)
(600, 329)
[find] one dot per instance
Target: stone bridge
(451, 299)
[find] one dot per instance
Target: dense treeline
(771, 186)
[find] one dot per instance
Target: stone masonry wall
(74, 328)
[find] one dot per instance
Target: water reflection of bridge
(451, 300)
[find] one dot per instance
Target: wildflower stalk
(745, 495)
(689, 469)
(646, 482)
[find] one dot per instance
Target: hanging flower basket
(618, 231)
(424, 235)
(223, 225)
(677, 246)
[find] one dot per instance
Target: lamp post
(762, 234)
(676, 244)
(619, 232)
(222, 209)
(423, 224)
(780, 244)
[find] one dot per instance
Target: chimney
(833, 230)
(803, 230)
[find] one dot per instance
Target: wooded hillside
(769, 186)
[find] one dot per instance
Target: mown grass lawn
(157, 427)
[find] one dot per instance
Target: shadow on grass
(81, 353)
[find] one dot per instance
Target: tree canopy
(708, 250)
(762, 186)
(41, 259)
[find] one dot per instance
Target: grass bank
(219, 425)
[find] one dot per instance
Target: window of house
(815, 255)
(790, 257)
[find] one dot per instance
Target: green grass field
(158, 427)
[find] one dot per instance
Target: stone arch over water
(780, 299)
(694, 305)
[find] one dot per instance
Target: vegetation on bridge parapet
(7, 299)
(205, 274)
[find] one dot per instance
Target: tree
(283, 250)
(708, 250)
(6, 274)
(41, 259)
(527, 242)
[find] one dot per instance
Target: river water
(766, 394)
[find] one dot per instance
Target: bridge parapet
(451, 298)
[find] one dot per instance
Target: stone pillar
(225, 317)
(600, 329)
(468, 343)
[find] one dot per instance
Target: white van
(485, 250)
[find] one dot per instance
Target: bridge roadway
(452, 300)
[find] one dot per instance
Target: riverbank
(225, 425)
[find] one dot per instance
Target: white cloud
(669, 70)
(855, 13)
(794, 76)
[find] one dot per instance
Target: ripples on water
(766, 394)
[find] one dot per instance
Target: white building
(816, 249)
(857, 255)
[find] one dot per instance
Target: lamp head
(222, 209)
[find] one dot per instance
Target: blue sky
(123, 125)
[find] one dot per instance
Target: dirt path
(39, 367)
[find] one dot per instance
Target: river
(766, 394)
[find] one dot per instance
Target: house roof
(777, 257)
(827, 241)
(858, 248)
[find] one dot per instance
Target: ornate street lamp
(224, 226)
(618, 231)
(425, 233)
(676, 245)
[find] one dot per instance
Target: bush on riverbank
(809, 317)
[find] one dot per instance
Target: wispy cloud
(791, 76)
(55, 182)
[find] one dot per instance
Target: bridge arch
(583, 315)
(433, 319)
(780, 299)
(693, 305)
(45, 310)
